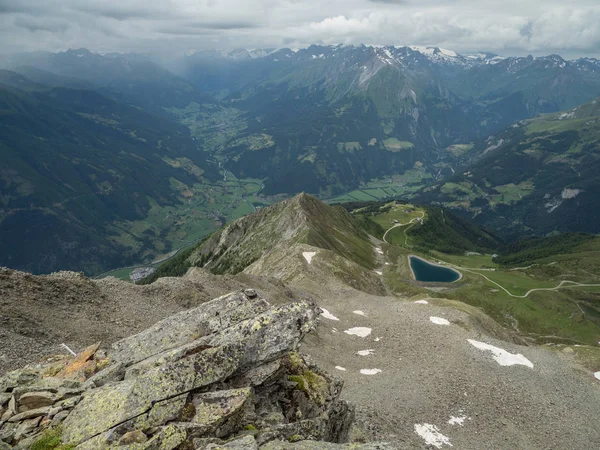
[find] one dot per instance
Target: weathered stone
(30, 414)
(114, 372)
(54, 411)
(217, 411)
(12, 405)
(187, 326)
(133, 437)
(202, 443)
(7, 433)
(62, 387)
(341, 417)
(270, 335)
(59, 417)
(82, 366)
(18, 378)
(250, 293)
(167, 438)
(70, 402)
(166, 357)
(4, 446)
(105, 407)
(34, 400)
(318, 445)
(244, 443)
(312, 429)
(162, 412)
(257, 375)
(25, 427)
(6, 415)
(4, 398)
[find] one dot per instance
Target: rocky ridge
(222, 375)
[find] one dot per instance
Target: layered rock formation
(223, 375)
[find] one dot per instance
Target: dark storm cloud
(536, 26)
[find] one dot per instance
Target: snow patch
(422, 302)
(447, 52)
(439, 320)
(501, 356)
(370, 371)
(343, 369)
(377, 339)
(431, 435)
(365, 352)
(378, 272)
(570, 193)
(460, 420)
(359, 313)
(568, 115)
(378, 250)
(328, 315)
(308, 256)
(597, 375)
(553, 204)
(359, 331)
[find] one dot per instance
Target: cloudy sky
(509, 27)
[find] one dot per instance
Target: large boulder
(223, 375)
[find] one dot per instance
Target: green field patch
(471, 260)
(396, 145)
(254, 142)
(392, 186)
(509, 194)
(212, 126)
(464, 188)
(460, 149)
(393, 214)
(552, 125)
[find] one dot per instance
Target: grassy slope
(74, 164)
(571, 314)
(542, 177)
(302, 219)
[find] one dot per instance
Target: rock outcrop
(223, 375)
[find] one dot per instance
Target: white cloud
(510, 26)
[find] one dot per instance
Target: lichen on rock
(211, 377)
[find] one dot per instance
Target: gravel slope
(431, 373)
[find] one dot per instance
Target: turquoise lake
(425, 271)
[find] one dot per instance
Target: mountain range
(324, 120)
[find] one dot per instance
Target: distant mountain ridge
(538, 176)
(322, 120)
(76, 163)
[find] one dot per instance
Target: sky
(508, 27)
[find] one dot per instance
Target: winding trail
(411, 223)
(473, 269)
(560, 285)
